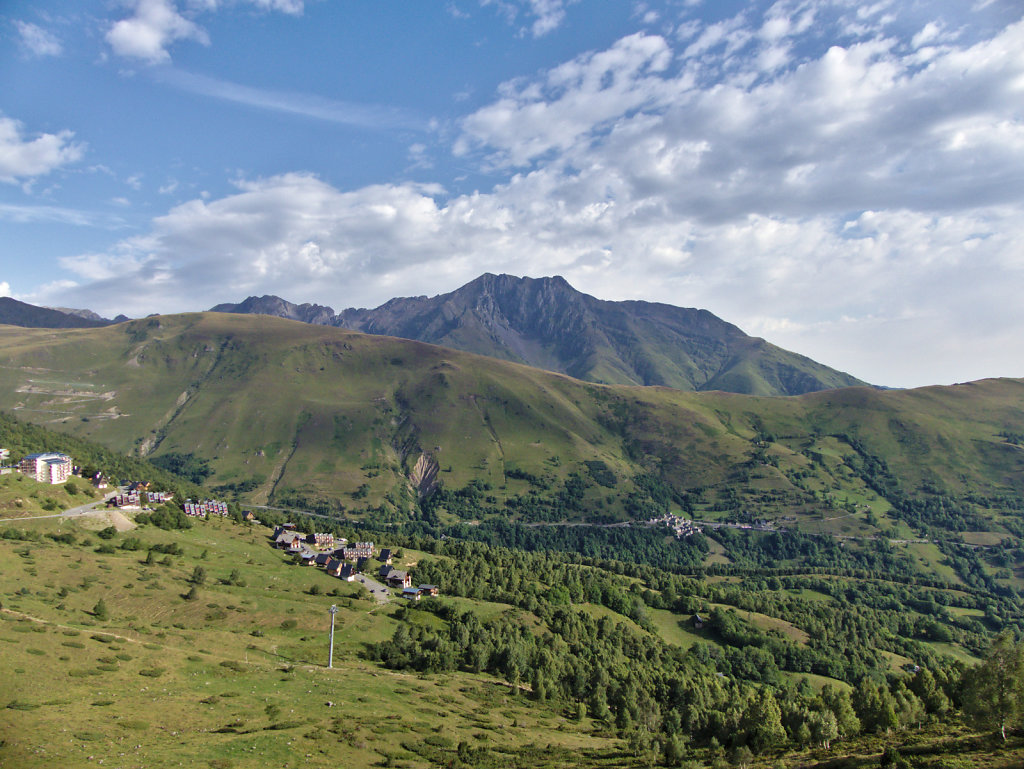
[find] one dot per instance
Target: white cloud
(23, 158)
(574, 99)
(547, 15)
(37, 40)
(5, 288)
(155, 25)
(21, 214)
(304, 105)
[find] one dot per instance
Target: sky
(844, 179)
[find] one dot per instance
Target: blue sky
(845, 179)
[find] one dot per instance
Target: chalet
(384, 571)
(334, 567)
(429, 590)
(249, 516)
(307, 558)
(99, 481)
(397, 578)
(698, 622)
(138, 486)
(322, 559)
(347, 573)
(411, 593)
(385, 555)
(283, 539)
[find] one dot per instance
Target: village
(335, 556)
(349, 561)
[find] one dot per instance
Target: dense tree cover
(187, 466)
(554, 645)
(637, 544)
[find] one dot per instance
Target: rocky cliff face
(545, 322)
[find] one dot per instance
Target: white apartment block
(46, 468)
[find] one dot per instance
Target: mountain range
(546, 323)
(15, 313)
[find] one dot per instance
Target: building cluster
(346, 561)
(205, 507)
(681, 527)
(131, 500)
(135, 496)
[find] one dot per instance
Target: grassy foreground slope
(535, 660)
(235, 678)
(285, 411)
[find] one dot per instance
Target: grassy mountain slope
(546, 323)
(286, 411)
(297, 406)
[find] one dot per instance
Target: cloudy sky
(845, 179)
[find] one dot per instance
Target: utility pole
(330, 657)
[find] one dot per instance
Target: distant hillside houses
(338, 562)
(681, 527)
(205, 507)
(51, 467)
(133, 499)
(357, 550)
(128, 501)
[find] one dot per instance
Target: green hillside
(550, 646)
(291, 414)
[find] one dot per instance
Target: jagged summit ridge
(545, 322)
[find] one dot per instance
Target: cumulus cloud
(38, 41)
(147, 34)
(23, 158)
(577, 98)
(5, 288)
(156, 24)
